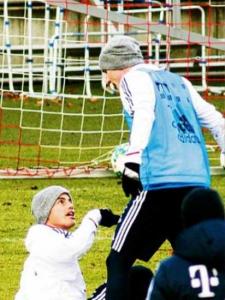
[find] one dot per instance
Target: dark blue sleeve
(160, 287)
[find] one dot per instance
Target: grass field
(15, 197)
(25, 125)
(62, 133)
(59, 132)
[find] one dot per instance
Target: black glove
(130, 180)
(108, 218)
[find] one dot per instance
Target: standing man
(166, 158)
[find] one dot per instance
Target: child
(51, 271)
(197, 268)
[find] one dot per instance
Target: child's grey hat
(44, 200)
(119, 53)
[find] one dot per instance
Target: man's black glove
(108, 218)
(130, 180)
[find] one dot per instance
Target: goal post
(55, 118)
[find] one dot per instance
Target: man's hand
(222, 159)
(130, 180)
(108, 218)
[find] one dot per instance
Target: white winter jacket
(51, 271)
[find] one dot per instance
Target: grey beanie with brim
(119, 53)
(44, 200)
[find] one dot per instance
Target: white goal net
(55, 118)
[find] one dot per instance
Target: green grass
(17, 141)
(33, 132)
(16, 218)
(62, 132)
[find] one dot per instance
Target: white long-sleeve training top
(51, 271)
(138, 98)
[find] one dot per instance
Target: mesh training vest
(175, 155)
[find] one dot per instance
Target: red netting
(55, 118)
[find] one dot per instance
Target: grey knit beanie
(119, 53)
(44, 200)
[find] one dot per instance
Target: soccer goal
(56, 120)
